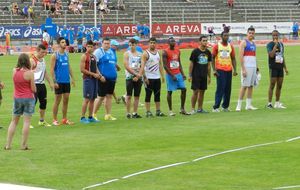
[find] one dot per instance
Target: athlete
(174, 75)
(199, 74)
(223, 61)
(132, 64)
(249, 70)
(153, 77)
(88, 67)
(277, 68)
(61, 72)
(38, 65)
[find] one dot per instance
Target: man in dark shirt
(277, 67)
(199, 73)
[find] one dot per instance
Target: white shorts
(249, 80)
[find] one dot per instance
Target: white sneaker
(238, 108)
(171, 113)
(250, 108)
(217, 110)
(193, 112)
(279, 106)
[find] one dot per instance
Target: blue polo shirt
(106, 63)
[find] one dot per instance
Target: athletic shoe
(250, 108)
(108, 117)
(95, 116)
(44, 124)
(136, 116)
(149, 114)
(238, 108)
(160, 114)
(183, 112)
(118, 101)
(201, 111)
(225, 110)
(67, 122)
(215, 110)
(193, 112)
(171, 113)
(84, 120)
(31, 127)
(279, 106)
(93, 120)
(55, 123)
(269, 106)
(128, 116)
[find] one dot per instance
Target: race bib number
(174, 64)
(202, 60)
(134, 64)
(279, 59)
(224, 54)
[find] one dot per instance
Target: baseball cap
(114, 43)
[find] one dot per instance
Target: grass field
(82, 155)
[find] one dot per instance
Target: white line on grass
(99, 184)
(154, 169)
(187, 162)
(293, 139)
(287, 187)
(235, 150)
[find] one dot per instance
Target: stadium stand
(167, 11)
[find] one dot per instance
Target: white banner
(241, 28)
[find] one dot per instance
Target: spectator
(46, 4)
(96, 35)
(295, 29)
(140, 29)
(230, 3)
(146, 31)
(80, 33)
(15, 8)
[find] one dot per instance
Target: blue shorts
(90, 88)
(174, 85)
(23, 106)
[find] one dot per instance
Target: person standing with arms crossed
(61, 72)
(223, 61)
(24, 89)
(38, 65)
(153, 77)
(277, 68)
(174, 75)
(249, 70)
(132, 64)
(199, 74)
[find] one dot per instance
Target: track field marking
(287, 187)
(195, 160)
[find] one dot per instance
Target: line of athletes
(146, 67)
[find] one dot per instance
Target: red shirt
(22, 87)
(173, 60)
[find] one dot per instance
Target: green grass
(83, 155)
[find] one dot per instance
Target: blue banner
(20, 32)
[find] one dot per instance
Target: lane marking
(293, 139)
(187, 162)
(287, 187)
(99, 184)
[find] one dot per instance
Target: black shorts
(199, 83)
(41, 92)
(0, 95)
(79, 41)
(63, 88)
(107, 87)
(154, 85)
(276, 73)
(133, 86)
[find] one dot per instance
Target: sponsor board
(176, 29)
(241, 28)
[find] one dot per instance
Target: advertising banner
(241, 28)
(176, 29)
